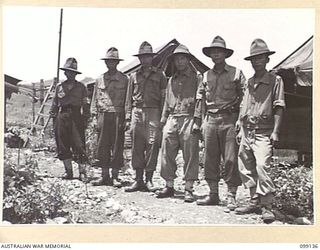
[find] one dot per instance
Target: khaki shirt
(110, 92)
(260, 99)
(76, 96)
(220, 91)
(181, 94)
(145, 91)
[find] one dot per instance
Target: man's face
(218, 55)
(146, 60)
(181, 61)
(259, 62)
(111, 64)
(71, 75)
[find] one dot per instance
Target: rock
(279, 216)
(60, 220)
(302, 221)
(5, 222)
(290, 218)
(50, 222)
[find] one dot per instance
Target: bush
(28, 198)
(294, 189)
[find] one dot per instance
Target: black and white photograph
(154, 116)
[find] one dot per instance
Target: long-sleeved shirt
(181, 94)
(220, 91)
(260, 99)
(110, 92)
(145, 91)
(75, 96)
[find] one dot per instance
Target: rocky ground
(111, 205)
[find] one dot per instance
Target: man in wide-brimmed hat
(70, 108)
(260, 118)
(177, 115)
(221, 91)
(144, 102)
(109, 99)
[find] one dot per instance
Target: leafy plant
(294, 189)
(28, 198)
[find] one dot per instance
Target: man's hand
(127, 125)
(274, 138)
(237, 126)
(238, 138)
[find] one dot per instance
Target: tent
(161, 61)
(296, 71)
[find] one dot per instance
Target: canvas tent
(296, 71)
(161, 61)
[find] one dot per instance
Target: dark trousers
(110, 139)
(145, 138)
(70, 136)
(220, 141)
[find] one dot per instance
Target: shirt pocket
(229, 90)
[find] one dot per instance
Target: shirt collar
(115, 76)
(264, 79)
(187, 72)
(226, 68)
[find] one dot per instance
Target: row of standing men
(238, 119)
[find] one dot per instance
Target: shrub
(28, 198)
(294, 189)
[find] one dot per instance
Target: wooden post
(41, 98)
(33, 103)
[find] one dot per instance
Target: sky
(30, 35)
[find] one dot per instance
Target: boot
(104, 180)
(267, 215)
(115, 178)
(188, 194)
(253, 207)
(68, 168)
(165, 192)
(149, 185)
(210, 200)
(231, 198)
(138, 185)
(83, 173)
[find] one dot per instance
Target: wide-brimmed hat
(182, 50)
(258, 47)
(112, 54)
(218, 42)
(71, 65)
(145, 49)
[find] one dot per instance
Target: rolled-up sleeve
(128, 103)
(278, 93)
(198, 110)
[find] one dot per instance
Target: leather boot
(115, 178)
(68, 168)
(165, 192)
(104, 180)
(210, 200)
(267, 215)
(149, 185)
(253, 207)
(83, 173)
(231, 198)
(138, 185)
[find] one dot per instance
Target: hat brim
(206, 51)
(257, 54)
(69, 69)
(115, 59)
(190, 56)
(143, 54)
